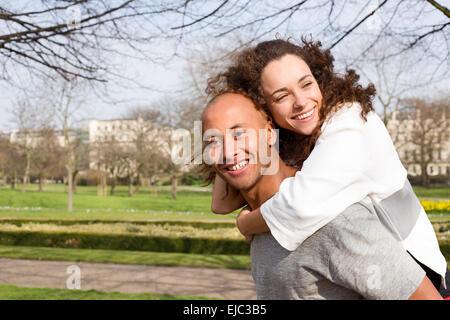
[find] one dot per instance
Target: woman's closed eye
(307, 84)
(279, 98)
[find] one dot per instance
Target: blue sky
(167, 78)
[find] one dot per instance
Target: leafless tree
(12, 161)
(46, 155)
(73, 38)
(65, 99)
(29, 118)
(181, 114)
(146, 142)
(426, 131)
(112, 151)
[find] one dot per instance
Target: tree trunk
(14, 181)
(69, 190)
(130, 186)
(70, 171)
(138, 182)
(74, 182)
(424, 176)
(104, 184)
(113, 186)
(41, 183)
(101, 185)
(174, 187)
(27, 173)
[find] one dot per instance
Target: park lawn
(439, 217)
(107, 215)
(127, 257)
(189, 205)
(10, 292)
(86, 198)
(432, 192)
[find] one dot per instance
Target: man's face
(232, 129)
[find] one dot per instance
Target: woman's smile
(305, 116)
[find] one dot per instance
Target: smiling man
(352, 257)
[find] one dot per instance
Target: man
(352, 257)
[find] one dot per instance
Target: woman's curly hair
(245, 74)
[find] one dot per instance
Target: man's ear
(271, 133)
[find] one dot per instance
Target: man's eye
(238, 134)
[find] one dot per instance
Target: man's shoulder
(357, 216)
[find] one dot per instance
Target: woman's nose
(299, 101)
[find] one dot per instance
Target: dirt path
(206, 282)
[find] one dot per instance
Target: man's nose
(229, 150)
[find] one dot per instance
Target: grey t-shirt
(352, 257)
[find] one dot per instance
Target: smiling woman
(289, 81)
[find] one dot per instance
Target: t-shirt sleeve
(332, 178)
(365, 258)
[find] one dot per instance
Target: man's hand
(246, 210)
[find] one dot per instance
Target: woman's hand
(246, 210)
(250, 222)
(225, 199)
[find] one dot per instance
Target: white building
(402, 133)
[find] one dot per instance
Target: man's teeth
(238, 166)
(305, 115)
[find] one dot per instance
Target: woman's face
(292, 94)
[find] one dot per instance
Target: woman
(345, 152)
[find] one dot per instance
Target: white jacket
(353, 161)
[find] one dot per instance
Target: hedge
(124, 242)
(138, 243)
(445, 249)
(62, 222)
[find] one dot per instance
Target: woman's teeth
(305, 115)
(238, 166)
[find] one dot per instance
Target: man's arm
(426, 291)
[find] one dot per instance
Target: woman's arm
(351, 159)
(333, 177)
(224, 202)
(251, 222)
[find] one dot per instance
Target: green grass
(127, 257)
(432, 192)
(193, 203)
(9, 292)
(86, 198)
(439, 217)
(190, 204)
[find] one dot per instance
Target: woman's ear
(272, 134)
